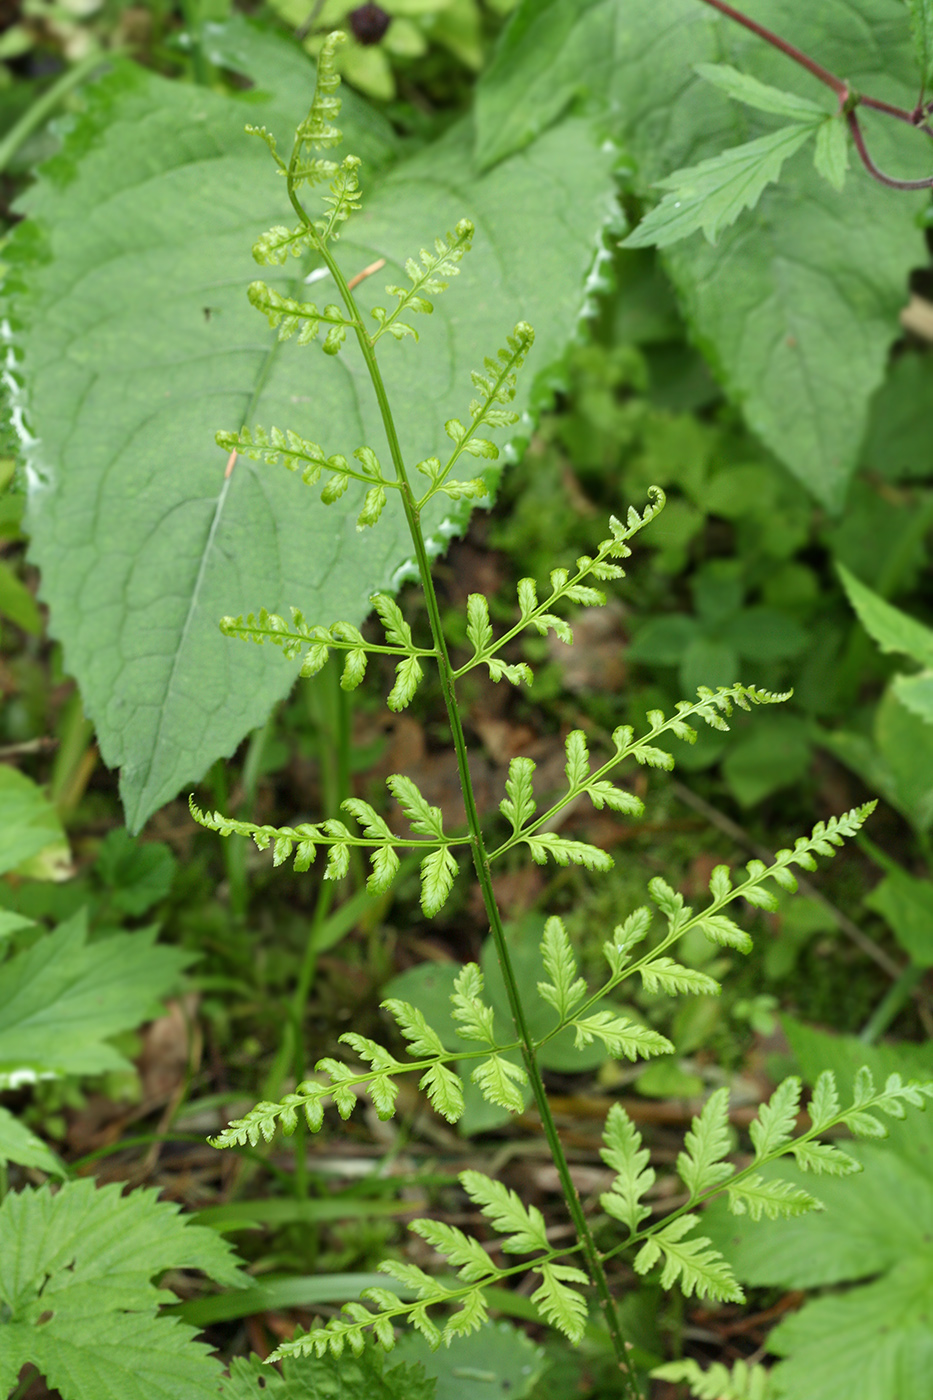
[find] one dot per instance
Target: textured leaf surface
(136, 342)
(62, 998)
(812, 270)
(873, 1339)
(75, 1271)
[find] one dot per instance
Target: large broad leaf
(873, 1339)
(78, 1301)
(797, 305)
(62, 999)
(135, 342)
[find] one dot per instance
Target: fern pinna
(642, 947)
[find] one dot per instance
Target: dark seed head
(369, 23)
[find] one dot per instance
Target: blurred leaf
(906, 905)
(138, 876)
(893, 630)
(16, 601)
(31, 837)
(773, 753)
(497, 1361)
(18, 1144)
(62, 999)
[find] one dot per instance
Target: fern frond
(518, 806)
(474, 1019)
(317, 130)
(743, 1382)
(624, 1153)
(288, 315)
(566, 989)
(559, 1304)
(343, 199)
(523, 1226)
(693, 1264)
(702, 1165)
(620, 1036)
(500, 1081)
(423, 818)
(626, 936)
(278, 244)
(566, 852)
(426, 281)
(776, 1120)
(775, 1200)
(496, 386)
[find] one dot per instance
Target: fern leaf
(408, 675)
(369, 819)
(498, 1080)
(431, 278)
(623, 1152)
(577, 767)
(397, 630)
(559, 1304)
(317, 129)
(626, 936)
(743, 1382)
(776, 1200)
(523, 1226)
(423, 1040)
(565, 852)
(603, 794)
(462, 1252)
(273, 248)
(722, 930)
(565, 989)
(444, 1089)
(693, 1264)
(665, 975)
(424, 819)
(824, 1103)
(287, 315)
(776, 1119)
(822, 1159)
(702, 1165)
(473, 1017)
(343, 199)
(620, 1036)
(518, 806)
(438, 870)
(479, 631)
(517, 674)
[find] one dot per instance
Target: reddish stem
(871, 167)
(847, 98)
(819, 72)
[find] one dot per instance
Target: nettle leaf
(773, 301)
(78, 1302)
(63, 999)
(623, 1151)
(921, 33)
(173, 540)
(18, 1144)
(711, 196)
(702, 1165)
